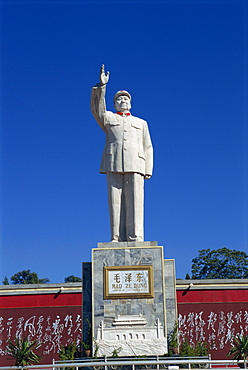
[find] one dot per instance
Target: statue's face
(122, 104)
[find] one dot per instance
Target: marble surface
(104, 312)
(127, 257)
(170, 293)
(141, 347)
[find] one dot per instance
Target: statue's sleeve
(98, 104)
(148, 149)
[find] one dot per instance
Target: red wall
(213, 316)
(51, 319)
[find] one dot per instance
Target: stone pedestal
(133, 298)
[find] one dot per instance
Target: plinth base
(133, 298)
(149, 347)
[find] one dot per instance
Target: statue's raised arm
(104, 77)
(97, 103)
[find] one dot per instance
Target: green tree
(72, 279)
(27, 277)
(187, 276)
(5, 281)
(240, 348)
(222, 263)
(186, 350)
(172, 339)
(23, 352)
(67, 353)
(198, 350)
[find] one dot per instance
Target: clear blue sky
(185, 64)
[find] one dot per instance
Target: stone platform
(133, 298)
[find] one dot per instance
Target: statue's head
(122, 101)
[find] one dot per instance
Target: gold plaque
(128, 282)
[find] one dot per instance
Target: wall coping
(24, 289)
(212, 284)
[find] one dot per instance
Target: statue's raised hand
(104, 77)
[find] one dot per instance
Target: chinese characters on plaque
(128, 281)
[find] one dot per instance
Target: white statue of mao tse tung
(127, 160)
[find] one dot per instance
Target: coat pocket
(141, 155)
(113, 123)
(136, 125)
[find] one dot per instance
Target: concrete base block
(138, 324)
